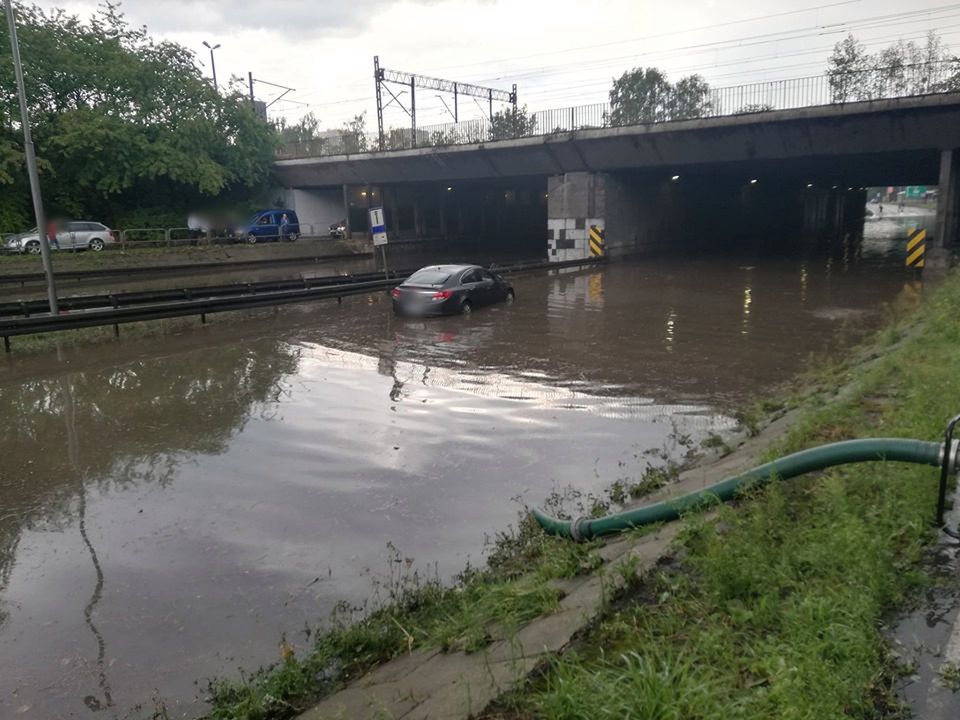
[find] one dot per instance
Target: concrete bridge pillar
(948, 212)
(575, 202)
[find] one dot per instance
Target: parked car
(74, 235)
(449, 290)
(339, 229)
(270, 225)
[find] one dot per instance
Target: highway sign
(378, 226)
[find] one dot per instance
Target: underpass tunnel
(496, 216)
(763, 208)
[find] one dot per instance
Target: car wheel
(96, 244)
(466, 307)
(251, 239)
(33, 247)
(510, 296)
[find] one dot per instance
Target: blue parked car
(275, 224)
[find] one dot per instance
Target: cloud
(303, 17)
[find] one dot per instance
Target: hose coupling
(575, 533)
(950, 456)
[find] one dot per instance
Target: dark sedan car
(449, 290)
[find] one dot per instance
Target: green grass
(776, 606)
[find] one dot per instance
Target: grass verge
(776, 606)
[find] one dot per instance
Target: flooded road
(170, 507)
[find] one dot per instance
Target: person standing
(52, 235)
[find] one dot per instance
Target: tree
(846, 69)
(354, 136)
(690, 98)
(512, 123)
(304, 135)
(644, 95)
(119, 117)
(901, 69)
(641, 95)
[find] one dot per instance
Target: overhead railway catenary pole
(411, 81)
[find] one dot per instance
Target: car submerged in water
(449, 290)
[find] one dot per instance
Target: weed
(950, 675)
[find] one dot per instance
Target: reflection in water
(671, 328)
(747, 302)
(73, 452)
(231, 493)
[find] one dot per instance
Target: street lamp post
(32, 164)
(213, 64)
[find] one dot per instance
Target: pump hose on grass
(819, 458)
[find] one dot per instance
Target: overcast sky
(559, 53)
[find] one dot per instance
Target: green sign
(916, 191)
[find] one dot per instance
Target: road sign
(378, 226)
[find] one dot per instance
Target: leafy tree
(903, 68)
(512, 123)
(119, 117)
(641, 95)
(846, 69)
(354, 137)
(690, 98)
(304, 135)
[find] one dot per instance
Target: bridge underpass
(762, 178)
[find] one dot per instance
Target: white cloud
(559, 52)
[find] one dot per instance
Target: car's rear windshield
(428, 276)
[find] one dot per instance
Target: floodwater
(171, 507)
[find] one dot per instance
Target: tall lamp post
(213, 64)
(32, 164)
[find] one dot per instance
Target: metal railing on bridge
(697, 102)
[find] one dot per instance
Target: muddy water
(170, 507)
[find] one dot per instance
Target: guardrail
(193, 268)
(245, 298)
(134, 237)
(679, 103)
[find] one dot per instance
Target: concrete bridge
(757, 174)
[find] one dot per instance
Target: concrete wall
(316, 207)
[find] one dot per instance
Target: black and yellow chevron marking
(916, 247)
(597, 246)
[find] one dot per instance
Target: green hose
(840, 453)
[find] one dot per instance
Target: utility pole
(413, 113)
(213, 64)
(32, 164)
(252, 99)
(377, 79)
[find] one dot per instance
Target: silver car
(75, 235)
